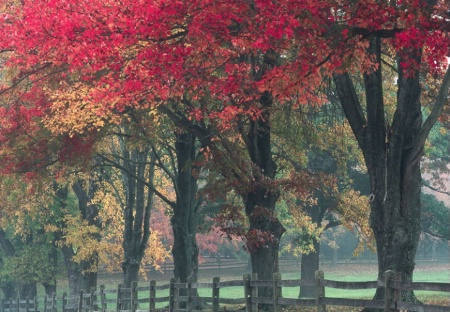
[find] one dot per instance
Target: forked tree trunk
(138, 203)
(392, 154)
(184, 219)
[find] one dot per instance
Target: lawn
(349, 273)
(431, 272)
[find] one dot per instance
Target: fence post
(80, 302)
(190, 305)
(18, 304)
(64, 302)
(133, 297)
(102, 298)
(152, 297)
(27, 308)
(276, 290)
(45, 303)
(119, 298)
(247, 292)
(53, 302)
(390, 294)
(215, 294)
(91, 299)
(174, 291)
(320, 291)
(35, 304)
(254, 293)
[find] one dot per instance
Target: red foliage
(142, 53)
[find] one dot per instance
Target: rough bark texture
(50, 286)
(184, 219)
(260, 201)
(392, 155)
(322, 163)
(308, 267)
(89, 212)
(138, 203)
(9, 289)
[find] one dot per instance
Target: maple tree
(245, 57)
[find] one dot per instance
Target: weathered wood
(119, 297)
(295, 283)
(45, 303)
(231, 283)
(173, 303)
(133, 297)
(276, 291)
(102, 295)
(152, 296)
(254, 293)
(320, 291)
(247, 292)
(216, 294)
(420, 286)
(388, 291)
(85, 302)
(349, 285)
(190, 293)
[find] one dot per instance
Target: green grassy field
(348, 273)
(428, 272)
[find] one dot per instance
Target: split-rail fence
(177, 297)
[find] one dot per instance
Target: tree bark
(265, 231)
(9, 289)
(392, 155)
(184, 219)
(90, 213)
(137, 209)
(308, 267)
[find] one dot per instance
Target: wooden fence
(177, 297)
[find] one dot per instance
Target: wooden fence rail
(178, 297)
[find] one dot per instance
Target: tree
(392, 152)
(144, 54)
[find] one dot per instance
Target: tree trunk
(310, 262)
(392, 155)
(397, 236)
(50, 286)
(138, 204)
(89, 212)
(74, 274)
(9, 290)
(265, 231)
(308, 267)
(184, 219)
(28, 290)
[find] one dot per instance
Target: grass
(350, 273)
(354, 273)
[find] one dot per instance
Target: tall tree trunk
(89, 212)
(392, 155)
(138, 204)
(308, 267)
(310, 262)
(50, 286)
(73, 269)
(261, 200)
(184, 219)
(9, 289)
